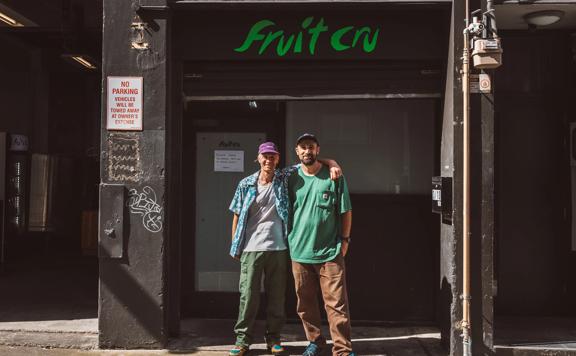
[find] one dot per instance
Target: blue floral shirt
(246, 194)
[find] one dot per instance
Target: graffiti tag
(145, 204)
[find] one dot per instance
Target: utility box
(442, 198)
(111, 221)
(487, 53)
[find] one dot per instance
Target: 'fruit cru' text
(266, 34)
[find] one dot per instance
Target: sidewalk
(204, 337)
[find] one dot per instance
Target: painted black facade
(193, 58)
(196, 83)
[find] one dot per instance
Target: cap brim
(311, 138)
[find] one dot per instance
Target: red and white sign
(484, 83)
(480, 83)
(124, 103)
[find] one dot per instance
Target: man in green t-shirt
(318, 242)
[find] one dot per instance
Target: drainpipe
(466, 339)
(491, 30)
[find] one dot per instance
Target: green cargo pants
(274, 266)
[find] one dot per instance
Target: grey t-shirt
(264, 226)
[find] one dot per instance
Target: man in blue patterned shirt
(259, 229)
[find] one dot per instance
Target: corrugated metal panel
(310, 79)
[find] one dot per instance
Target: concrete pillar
(449, 309)
(482, 204)
(133, 243)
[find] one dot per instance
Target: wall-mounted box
(442, 198)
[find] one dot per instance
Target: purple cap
(268, 147)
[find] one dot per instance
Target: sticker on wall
(124, 111)
(480, 83)
(228, 161)
(18, 143)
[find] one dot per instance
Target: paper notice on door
(228, 161)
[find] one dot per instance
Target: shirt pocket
(326, 199)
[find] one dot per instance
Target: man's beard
(308, 161)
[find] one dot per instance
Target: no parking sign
(124, 103)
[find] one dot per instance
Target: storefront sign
(265, 35)
(282, 35)
(228, 161)
(124, 103)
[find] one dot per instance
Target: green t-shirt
(317, 202)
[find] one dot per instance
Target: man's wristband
(347, 239)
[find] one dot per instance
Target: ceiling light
(543, 18)
(81, 59)
(84, 62)
(10, 21)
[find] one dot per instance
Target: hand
(344, 247)
(237, 257)
(335, 172)
(335, 169)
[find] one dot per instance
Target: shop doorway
(535, 254)
(49, 168)
(233, 130)
(220, 165)
(375, 110)
(387, 148)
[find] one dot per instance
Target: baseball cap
(307, 136)
(268, 147)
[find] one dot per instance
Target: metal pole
(4, 166)
(3, 236)
(466, 340)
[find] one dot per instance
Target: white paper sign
(228, 161)
(124, 103)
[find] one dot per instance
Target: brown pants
(331, 277)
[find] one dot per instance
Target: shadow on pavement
(201, 335)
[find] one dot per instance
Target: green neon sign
(266, 36)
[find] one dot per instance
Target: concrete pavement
(204, 337)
